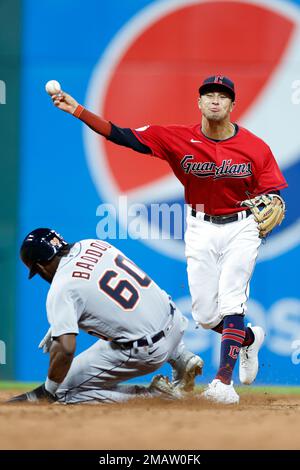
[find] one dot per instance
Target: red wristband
(78, 111)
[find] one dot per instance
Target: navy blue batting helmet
(40, 246)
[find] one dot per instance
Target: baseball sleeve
(63, 310)
(157, 138)
(270, 178)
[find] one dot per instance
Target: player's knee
(204, 314)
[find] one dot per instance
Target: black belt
(221, 219)
(143, 341)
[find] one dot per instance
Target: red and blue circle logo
(150, 74)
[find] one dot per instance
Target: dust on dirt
(260, 421)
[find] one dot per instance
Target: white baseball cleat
(221, 393)
(249, 356)
(185, 370)
(162, 387)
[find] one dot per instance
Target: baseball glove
(268, 211)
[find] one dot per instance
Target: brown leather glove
(268, 211)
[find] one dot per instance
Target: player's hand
(276, 201)
(46, 342)
(65, 102)
(39, 394)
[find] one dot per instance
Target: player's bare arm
(61, 356)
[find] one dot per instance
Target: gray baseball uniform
(97, 289)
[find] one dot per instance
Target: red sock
(249, 337)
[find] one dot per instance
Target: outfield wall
(136, 63)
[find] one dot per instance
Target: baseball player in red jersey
(220, 165)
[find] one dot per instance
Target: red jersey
(217, 174)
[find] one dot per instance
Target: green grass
(22, 386)
(273, 390)
(267, 389)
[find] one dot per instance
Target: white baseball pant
(220, 262)
(96, 374)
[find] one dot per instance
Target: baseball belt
(150, 340)
(221, 219)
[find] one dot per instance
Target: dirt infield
(261, 421)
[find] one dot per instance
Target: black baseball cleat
(19, 398)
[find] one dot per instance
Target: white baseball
(53, 87)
